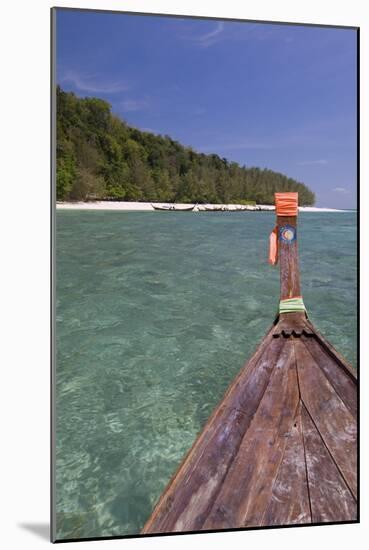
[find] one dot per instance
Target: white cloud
(129, 105)
(94, 84)
(242, 32)
(312, 162)
(341, 190)
(209, 38)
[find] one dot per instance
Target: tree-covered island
(99, 156)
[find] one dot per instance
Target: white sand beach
(147, 206)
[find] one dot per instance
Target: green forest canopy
(100, 157)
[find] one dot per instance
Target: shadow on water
(42, 530)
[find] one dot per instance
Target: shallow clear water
(156, 313)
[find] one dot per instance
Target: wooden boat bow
(280, 448)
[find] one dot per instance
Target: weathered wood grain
(341, 381)
(293, 323)
(189, 496)
(340, 360)
(247, 488)
(330, 497)
(290, 497)
(292, 319)
(332, 418)
(288, 260)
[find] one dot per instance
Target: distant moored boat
(173, 207)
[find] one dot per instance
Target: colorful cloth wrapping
(286, 204)
(291, 305)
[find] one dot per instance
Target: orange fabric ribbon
(273, 246)
(286, 204)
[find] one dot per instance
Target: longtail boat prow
(280, 448)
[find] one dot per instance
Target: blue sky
(275, 96)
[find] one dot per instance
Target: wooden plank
(247, 390)
(334, 421)
(341, 381)
(290, 497)
(333, 352)
(247, 488)
(295, 322)
(189, 496)
(288, 259)
(330, 498)
(293, 319)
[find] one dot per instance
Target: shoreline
(128, 206)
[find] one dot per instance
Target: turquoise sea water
(156, 313)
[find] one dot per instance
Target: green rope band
(291, 305)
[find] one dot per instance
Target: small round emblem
(287, 233)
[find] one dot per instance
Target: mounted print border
(161, 288)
